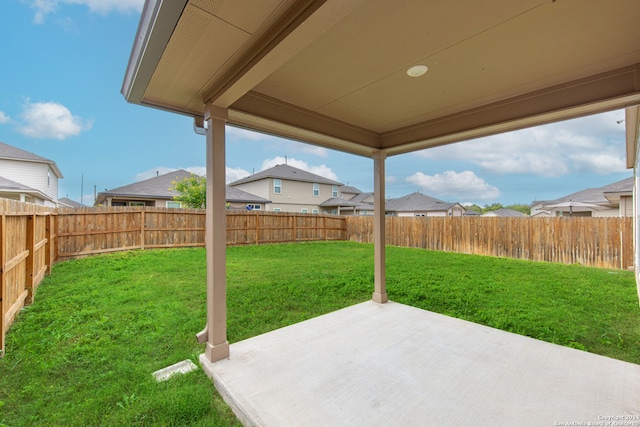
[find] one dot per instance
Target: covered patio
(380, 78)
(391, 364)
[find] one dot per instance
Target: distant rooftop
(287, 172)
(417, 202)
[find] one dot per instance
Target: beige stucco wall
(294, 197)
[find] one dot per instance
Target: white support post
(217, 347)
(379, 235)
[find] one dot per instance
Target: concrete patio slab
(394, 365)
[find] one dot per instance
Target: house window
(251, 207)
(276, 209)
(173, 204)
(304, 210)
(277, 186)
(334, 191)
(315, 211)
(48, 177)
(316, 190)
(136, 203)
(334, 212)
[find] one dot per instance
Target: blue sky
(63, 62)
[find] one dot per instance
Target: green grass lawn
(84, 352)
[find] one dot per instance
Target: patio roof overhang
(374, 78)
(334, 72)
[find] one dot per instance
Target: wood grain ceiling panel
(199, 47)
(469, 74)
(378, 41)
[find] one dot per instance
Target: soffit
(334, 72)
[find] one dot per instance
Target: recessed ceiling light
(417, 70)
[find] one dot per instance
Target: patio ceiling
(334, 72)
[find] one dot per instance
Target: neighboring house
(351, 202)
(238, 199)
(615, 199)
(158, 192)
(418, 204)
(66, 202)
(537, 209)
(27, 177)
(504, 212)
(291, 189)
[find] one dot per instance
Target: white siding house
(28, 177)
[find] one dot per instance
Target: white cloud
(51, 120)
(44, 7)
(151, 173)
(321, 170)
(311, 149)
(589, 144)
(234, 174)
(455, 185)
(4, 118)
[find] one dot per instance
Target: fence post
(3, 260)
(48, 248)
(257, 219)
(142, 223)
(31, 247)
(293, 222)
(324, 227)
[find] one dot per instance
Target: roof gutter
(157, 23)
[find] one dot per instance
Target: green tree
(193, 191)
(474, 208)
(492, 207)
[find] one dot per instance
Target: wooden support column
(217, 347)
(379, 235)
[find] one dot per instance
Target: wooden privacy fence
(33, 238)
(27, 251)
(245, 228)
(92, 231)
(596, 242)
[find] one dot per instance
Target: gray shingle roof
(239, 196)
(9, 185)
(70, 203)
(158, 187)
(504, 213)
(417, 202)
(14, 153)
(286, 172)
(350, 190)
(596, 195)
(336, 201)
